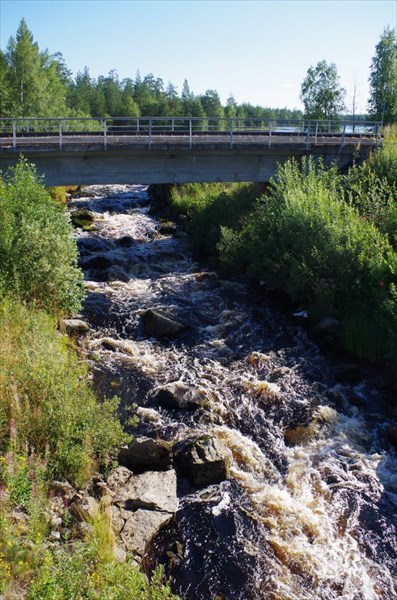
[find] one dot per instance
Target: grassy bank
(51, 425)
(325, 239)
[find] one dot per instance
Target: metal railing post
(14, 133)
(172, 124)
(60, 133)
(231, 133)
(137, 125)
(270, 134)
(105, 138)
(315, 135)
(343, 136)
(308, 135)
(150, 133)
(190, 134)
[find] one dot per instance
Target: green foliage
(383, 79)
(305, 240)
(211, 206)
(59, 193)
(321, 92)
(372, 188)
(38, 257)
(33, 84)
(49, 406)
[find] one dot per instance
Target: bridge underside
(86, 166)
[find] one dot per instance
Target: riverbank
(55, 435)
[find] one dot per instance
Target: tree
(5, 92)
(321, 93)
(383, 79)
(26, 80)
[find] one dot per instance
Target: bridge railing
(189, 130)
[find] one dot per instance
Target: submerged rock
(82, 218)
(146, 454)
(204, 460)
(180, 397)
(167, 228)
(156, 324)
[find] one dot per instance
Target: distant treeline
(34, 83)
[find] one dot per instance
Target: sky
(259, 51)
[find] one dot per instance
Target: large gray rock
(180, 397)
(156, 324)
(153, 490)
(204, 460)
(141, 506)
(146, 454)
(141, 528)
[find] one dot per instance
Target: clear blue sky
(258, 50)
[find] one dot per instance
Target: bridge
(174, 149)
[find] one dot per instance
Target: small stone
(74, 327)
(119, 554)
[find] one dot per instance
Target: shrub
(210, 206)
(305, 240)
(38, 257)
(372, 188)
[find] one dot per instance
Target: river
(309, 509)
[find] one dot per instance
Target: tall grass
(46, 404)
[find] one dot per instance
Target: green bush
(210, 206)
(38, 257)
(372, 188)
(305, 240)
(48, 405)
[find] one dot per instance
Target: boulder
(153, 490)
(126, 241)
(140, 529)
(179, 397)
(82, 218)
(156, 324)
(141, 506)
(146, 454)
(167, 228)
(97, 262)
(204, 460)
(74, 327)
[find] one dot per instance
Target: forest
(35, 83)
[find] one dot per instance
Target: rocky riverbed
(261, 469)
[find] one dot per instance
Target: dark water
(309, 509)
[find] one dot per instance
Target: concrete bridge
(176, 150)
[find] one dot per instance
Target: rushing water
(309, 509)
